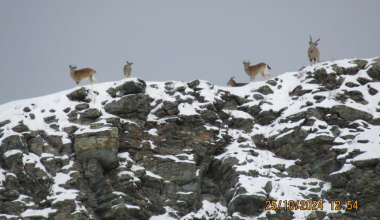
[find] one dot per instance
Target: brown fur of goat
(127, 70)
(82, 74)
(253, 70)
(232, 83)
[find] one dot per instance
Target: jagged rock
(54, 127)
(79, 95)
(193, 84)
(36, 145)
(14, 207)
(360, 63)
(297, 91)
(258, 97)
(130, 106)
(54, 144)
(230, 101)
(244, 124)
(350, 114)
(20, 128)
(366, 163)
(261, 117)
(13, 161)
(170, 108)
(345, 71)
(80, 107)
(280, 167)
(71, 129)
(297, 172)
(132, 138)
(13, 142)
(64, 207)
(265, 90)
(330, 81)
(319, 98)
(374, 71)
(339, 180)
(27, 109)
(181, 172)
(101, 145)
(372, 91)
(50, 119)
(67, 110)
(357, 96)
(129, 87)
(320, 139)
(91, 113)
(351, 84)
(271, 82)
(4, 123)
(11, 182)
(363, 80)
(247, 204)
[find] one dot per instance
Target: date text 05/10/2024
(310, 205)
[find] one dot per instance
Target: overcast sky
(173, 40)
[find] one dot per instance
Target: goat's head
(313, 44)
(72, 68)
(231, 81)
(246, 62)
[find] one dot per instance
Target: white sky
(173, 40)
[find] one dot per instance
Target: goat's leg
(93, 79)
(253, 78)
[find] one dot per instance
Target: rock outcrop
(172, 150)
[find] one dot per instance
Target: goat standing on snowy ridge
(82, 74)
(232, 83)
(313, 52)
(253, 70)
(127, 70)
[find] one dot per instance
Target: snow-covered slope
(170, 150)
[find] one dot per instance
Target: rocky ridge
(172, 150)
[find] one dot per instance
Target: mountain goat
(127, 70)
(253, 70)
(82, 74)
(232, 83)
(313, 52)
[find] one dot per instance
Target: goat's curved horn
(317, 40)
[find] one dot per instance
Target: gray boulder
(129, 87)
(350, 114)
(130, 106)
(102, 145)
(79, 95)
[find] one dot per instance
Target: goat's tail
(268, 67)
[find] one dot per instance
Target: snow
(11, 153)
(149, 173)
(186, 109)
(38, 213)
(60, 193)
(208, 211)
(171, 157)
(238, 114)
